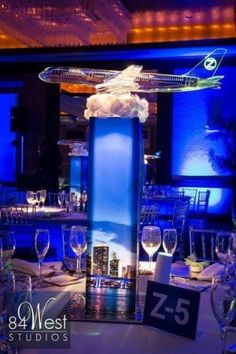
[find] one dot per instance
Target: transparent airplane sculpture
(133, 79)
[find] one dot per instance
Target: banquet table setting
(134, 336)
(123, 337)
(65, 278)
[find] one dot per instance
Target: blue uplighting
(191, 114)
(7, 149)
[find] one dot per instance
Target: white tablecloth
(115, 338)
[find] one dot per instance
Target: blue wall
(7, 150)
(192, 112)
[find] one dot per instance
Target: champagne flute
(151, 240)
(169, 240)
(223, 303)
(41, 243)
(222, 249)
(78, 244)
(43, 195)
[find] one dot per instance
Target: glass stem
(150, 261)
(40, 268)
(223, 331)
(78, 264)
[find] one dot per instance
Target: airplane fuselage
(146, 81)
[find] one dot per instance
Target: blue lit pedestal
(114, 192)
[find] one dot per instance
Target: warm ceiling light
(186, 28)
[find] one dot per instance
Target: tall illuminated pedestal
(114, 193)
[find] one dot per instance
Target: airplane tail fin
(208, 66)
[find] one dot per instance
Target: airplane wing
(124, 80)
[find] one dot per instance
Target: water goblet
(78, 244)
(223, 304)
(169, 240)
(222, 249)
(151, 240)
(41, 243)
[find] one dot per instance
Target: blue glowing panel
(192, 113)
(219, 199)
(78, 173)
(7, 148)
(115, 182)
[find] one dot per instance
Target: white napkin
(63, 280)
(209, 272)
(29, 267)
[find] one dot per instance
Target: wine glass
(223, 304)
(41, 244)
(78, 244)
(222, 249)
(7, 247)
(169, 240)
(29, 197)
(151, 240)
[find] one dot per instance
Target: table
(116, 338)
(24, 233)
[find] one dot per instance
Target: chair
(198, 216)
(202, 202)
(192, 193)
(149, 215)
(202, 243)
(179, 221)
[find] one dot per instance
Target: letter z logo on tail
(210, 63)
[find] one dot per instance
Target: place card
(172, 309)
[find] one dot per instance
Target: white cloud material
(126, 105)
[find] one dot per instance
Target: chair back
(202, 243)
(192, 193)
(149, 215)
(202, 202)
